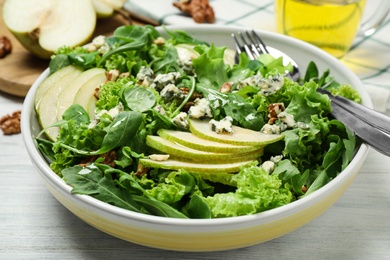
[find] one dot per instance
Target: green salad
(163, 94)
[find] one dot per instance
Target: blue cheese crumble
(271, 85)
(201, 109)
(99, 44)
(187, 66)
(160, 109)
(163, 80)
(223, 126)
(286, 121)
(113, 112)
(269, 166)
(171, 92)
(145, 75)
(181, 120)
(267, 86)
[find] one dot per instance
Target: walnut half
(10, 124)
(5, 46)
(200, 10)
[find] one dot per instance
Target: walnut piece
(141, 170)
(109, 159)
(5, 46)
(226, 87)
(200, 10)
(274, 110)
(10, 124)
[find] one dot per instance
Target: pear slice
(183, 153)
(46, 109)
(192, 141)
(240, 136)
(43, 26)
(85, 96)
(194, 167)
(186, 52)
(53, 79)
(106, 8)
(89, 79)
(103, 10)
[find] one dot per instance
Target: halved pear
(43, 26)
(106, 8)
(192, 141)
(194, 167)
(183, 153)
(53, 79)
(240, 136)
(89, 79)
(47, 105)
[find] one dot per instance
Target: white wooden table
(34, 225)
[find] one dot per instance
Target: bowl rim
(261, 217)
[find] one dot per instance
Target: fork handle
(372, 117)
(377, 139)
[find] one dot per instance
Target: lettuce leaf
(256, 191)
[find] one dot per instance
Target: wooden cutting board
(19, 69)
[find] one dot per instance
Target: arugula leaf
(166, 63)
(130, 38)
(178, 37)
(93, 182)
(318, 183)
(158, 208)
(233, 105)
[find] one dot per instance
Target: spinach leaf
(197, 208)
(58, 62)
(84, 60)
(311, 72)
(77, 113)
(121, 130)
(119, 133)
(46, 148)
(139, 98)
(91, 181)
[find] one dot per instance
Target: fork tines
(252, 44)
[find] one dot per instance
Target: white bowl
(205, 234)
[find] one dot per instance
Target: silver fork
(371, 126)
(254, 46)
